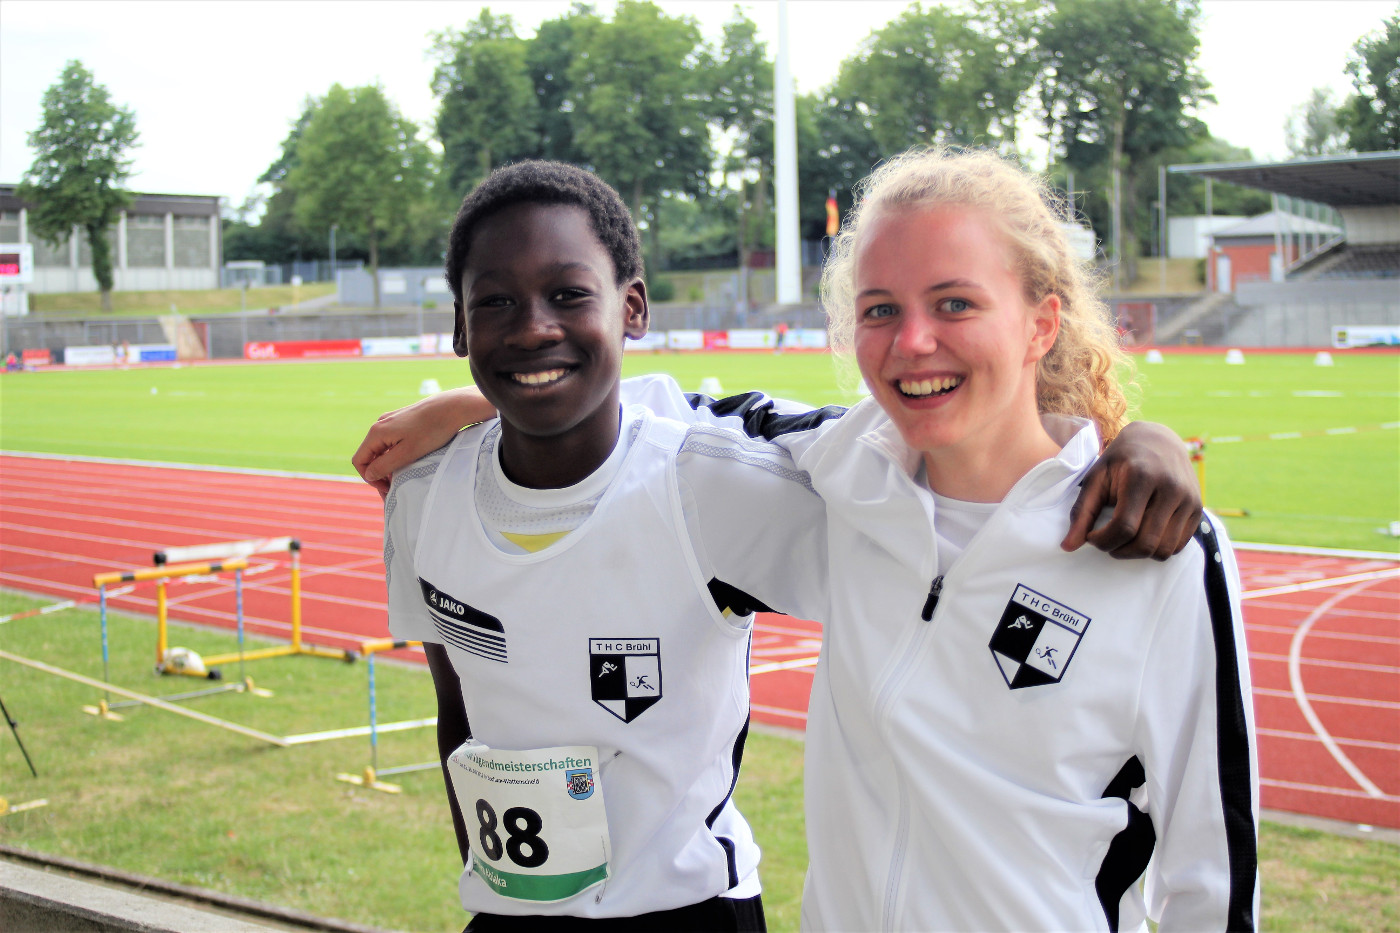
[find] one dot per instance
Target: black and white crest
(1035, 639)
(626, 674)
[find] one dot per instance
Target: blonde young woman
(999, 730)
(1002, 733)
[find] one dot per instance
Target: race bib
(538, 827)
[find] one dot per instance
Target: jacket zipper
(931, 603)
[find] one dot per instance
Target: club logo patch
(1035, 639)
(580, 783)
(625, 674)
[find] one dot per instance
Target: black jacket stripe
(728, 844)
(1232, 736)
(759, 418)
(1129, 851)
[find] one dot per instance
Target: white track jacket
(1005, 746)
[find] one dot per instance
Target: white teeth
(922, 387)
(539, 379)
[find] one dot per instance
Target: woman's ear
(1045, 327)
(637, 314)
(459, 330)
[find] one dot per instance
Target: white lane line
(1295, 679)
(1309, 737)
(1320, 789)
(778, 711)
(793, 665)
(1322, 584)
(1324, 698)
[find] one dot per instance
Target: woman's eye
(956, 305)
(876, 312)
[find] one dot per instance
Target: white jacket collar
(865, 472)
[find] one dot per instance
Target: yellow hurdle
(370, 776)
(1197, 448)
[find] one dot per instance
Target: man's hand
(1147, 478)
(400, 437)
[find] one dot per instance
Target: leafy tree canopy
(80, 162)
(1372, 115)
(359, 165)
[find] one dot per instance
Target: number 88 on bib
(536, 818)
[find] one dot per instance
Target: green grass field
(1319, 489)
(171, 798)
(202, 301)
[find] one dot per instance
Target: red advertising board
(36, 357)
(300, 349)
(716, 340)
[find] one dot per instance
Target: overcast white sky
(215, 84)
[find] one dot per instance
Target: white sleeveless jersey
(648, 671)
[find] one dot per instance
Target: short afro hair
(539, 182)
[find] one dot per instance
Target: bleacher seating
(1364, 262)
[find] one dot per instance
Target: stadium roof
(1268, 224)
(1364, 179)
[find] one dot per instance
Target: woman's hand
(400, 437)
(1146, 476)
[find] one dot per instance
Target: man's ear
(459, 330)
(637, 313)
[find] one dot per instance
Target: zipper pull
(931, 603)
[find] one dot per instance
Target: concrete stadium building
(160, 242)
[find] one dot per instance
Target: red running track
(1323, 629)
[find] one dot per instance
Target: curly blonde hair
(1078, 376)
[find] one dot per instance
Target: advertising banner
(151, 353)
(300, 349)
(1365, 335)
(716, 340)
(685, 339)
(90, 356)
(652, 342)
(807, 338)
(389, 346)
(752, 339)
(36, 357)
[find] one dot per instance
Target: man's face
(544, 320)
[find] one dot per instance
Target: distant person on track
(1159, 533)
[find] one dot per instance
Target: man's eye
(570, 294)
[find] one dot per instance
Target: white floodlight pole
(785, 171)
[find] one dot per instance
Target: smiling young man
(591, 732)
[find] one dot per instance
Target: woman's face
(944, 336)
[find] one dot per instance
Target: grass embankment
(158, 303)
(169, 797)
(1318, 489)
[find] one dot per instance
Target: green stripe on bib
(539, 887)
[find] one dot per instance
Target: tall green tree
(489, 113)
(1118, 84)
(549, 55)
(939, 75)
(741, 108)
(641, 119)
(1314, 127)
(79, 165)
(359, 165)
(1372, 115)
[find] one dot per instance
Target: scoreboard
(16, 263)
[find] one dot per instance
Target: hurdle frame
(370, 776)
(246, 549)
(1196, 447)
(162, 576)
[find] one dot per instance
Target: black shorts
(717, 915)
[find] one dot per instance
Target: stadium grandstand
(1325, 260)
(160, 242)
